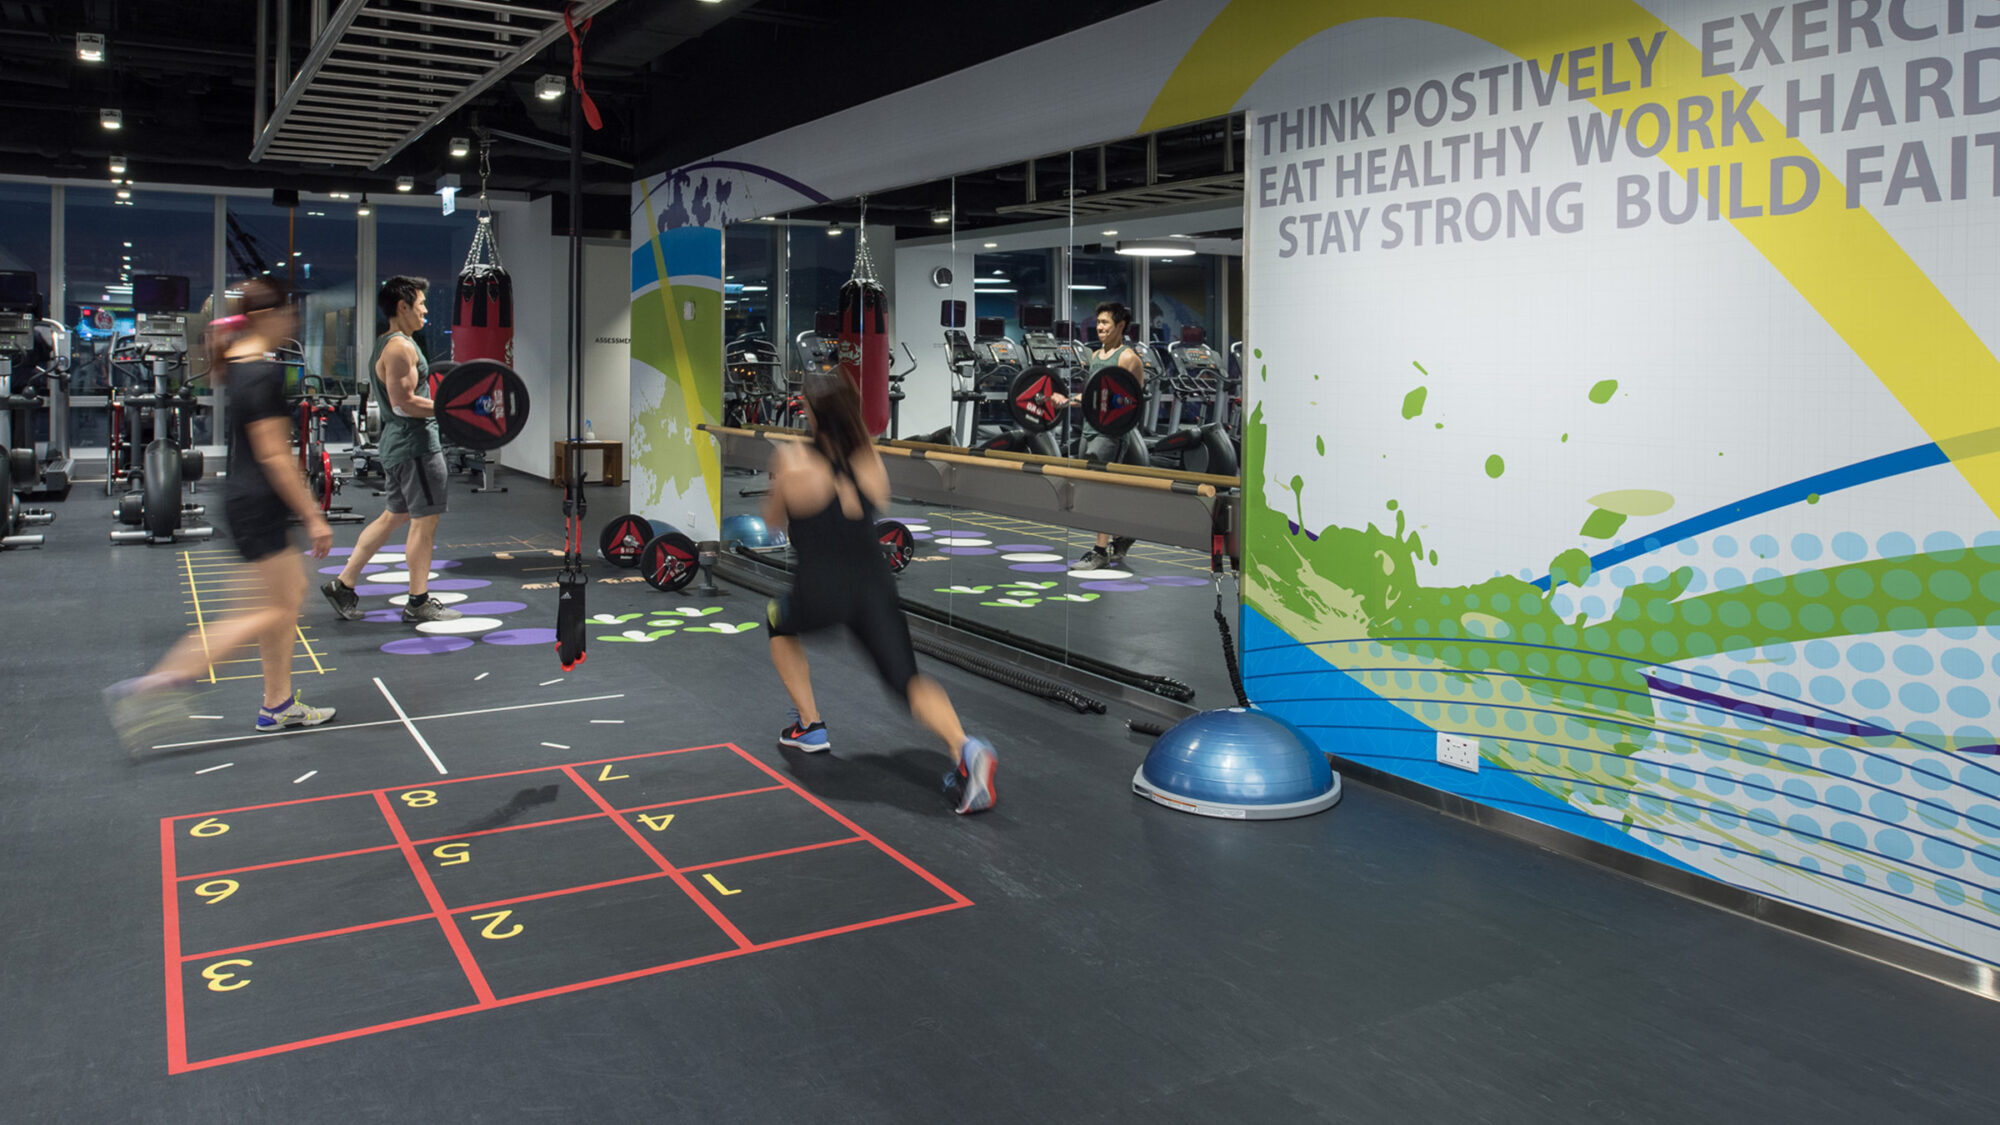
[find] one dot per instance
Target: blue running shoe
(293, 714)
(145, 708)
(976, 763)
(809, 737)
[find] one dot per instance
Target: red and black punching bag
(482, 316)
(864, 348)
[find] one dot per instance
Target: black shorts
(870, 613)
(260, 526)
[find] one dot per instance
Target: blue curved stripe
(1834, 480)
(689, 251)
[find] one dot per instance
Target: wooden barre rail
(1219, 482)
(1153, 484)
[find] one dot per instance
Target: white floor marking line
(204, 716)
(309, 773)
(557, 680)
(334, 728)
(410, 726)
(480, 676)
(608, 721)
(212, 769)
(555, 746)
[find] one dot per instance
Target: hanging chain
(864, 263)
(485, 172)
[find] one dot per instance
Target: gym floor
(496, 890)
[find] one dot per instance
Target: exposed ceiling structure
(675, 80)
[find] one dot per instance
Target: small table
(613, 460)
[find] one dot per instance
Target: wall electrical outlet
(1459, 751)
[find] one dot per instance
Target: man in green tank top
(412, 457)
(1112, 351)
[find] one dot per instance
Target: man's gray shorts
(416, 486)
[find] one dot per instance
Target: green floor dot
(1495, 465)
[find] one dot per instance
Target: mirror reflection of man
(1112, 351)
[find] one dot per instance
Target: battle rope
(572, 580)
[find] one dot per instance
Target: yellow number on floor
(209, 827)
(492, 931)
(420, 798)
(452, 854)
(215, 976)
(719, 888)
(663, 821)
(605, 774)
(215, 890)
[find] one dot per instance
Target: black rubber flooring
(325, 927)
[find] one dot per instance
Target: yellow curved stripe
(1841, 261)
(705, 450)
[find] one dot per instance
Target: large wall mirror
(1000, 271)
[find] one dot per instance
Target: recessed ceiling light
(1087, 288)
(340, 195)
(117, 164)
(111, 118)
(940, 217)
(991, 245)
(89, 47)
(549, 87)
(124, 193)
(460, 146)
(1155, 249)
(405, 183)
(993, 291)
(128, 246)
(1110, 234)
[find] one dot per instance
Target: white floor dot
(952, 541)
(1032, 557)
(396, 578)
(443, 597)
(1106, 575)
(462, 625)
(386, 558)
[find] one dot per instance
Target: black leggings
(870, 613)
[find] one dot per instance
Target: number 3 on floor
(215, 976)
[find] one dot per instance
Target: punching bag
(864, 348)
(482, 316)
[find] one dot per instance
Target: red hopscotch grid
(178, 1062)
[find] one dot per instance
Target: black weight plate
(668, 561)
(897, 543)
(162, 489)
(624, 538)
(192, 464)
(1111, 401)
(481, 405)
(131, 508)
(1028, 399)
(24, 469)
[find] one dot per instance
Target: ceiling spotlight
(1111, 234)
(128, 246)
(405, 183)
(117, 164)
(833, 231)
(991, 245)
(124, 193)
(89, 46)
(111, 118)
(340, 195)
(1141, 248)
(549, 87)
(460, 146)
(940, 217)
(363, 209)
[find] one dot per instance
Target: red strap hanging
(576, 67)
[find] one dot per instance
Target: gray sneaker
(1093, 559)
(976, 762)
(430, 609)
(1119, 545)
(345, 601)
(144, 709)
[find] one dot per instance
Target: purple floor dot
(1040, 568)
(1175, 580)
(922, 535)
(1113, 587)
(1020, 546)
(457, 584)
(378, 589)
(381, 616)
(340, 552)
(445, 564)
(967, 551)
(371, 568)
(488, 609)
(520, 637)
(427, 646)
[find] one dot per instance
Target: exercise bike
(315, 460)
(19, 467)
(167, 464)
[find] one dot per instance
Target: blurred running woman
(264, 490)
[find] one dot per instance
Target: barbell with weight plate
(1030, 399)
(626, 536)
(481, 404)
(898, 545)
(1112, 400)
(668, 561)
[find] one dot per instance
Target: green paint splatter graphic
(1420, 367)
(1602, 392)
(1812, 498)
(1602, 524)
(1495, 465)
(1413, 403)
(1321, 443)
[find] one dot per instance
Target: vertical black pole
(576, 286)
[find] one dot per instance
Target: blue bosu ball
(1238, 763)
(747, 530)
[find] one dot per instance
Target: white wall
(539, 266)
(927, 392)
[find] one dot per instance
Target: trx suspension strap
(571, 582)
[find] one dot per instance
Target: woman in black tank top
(828, 494)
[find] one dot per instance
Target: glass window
(820, 263)
(750, 261)
(420, 242)
(1184, 299)
(24, 231)
(1005, 281)
(107, 241)
(310, 248)
(1095, 279)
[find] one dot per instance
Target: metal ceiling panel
(374, 48)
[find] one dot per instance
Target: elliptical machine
(153, 507)
(1198, 380)
(19, 465)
